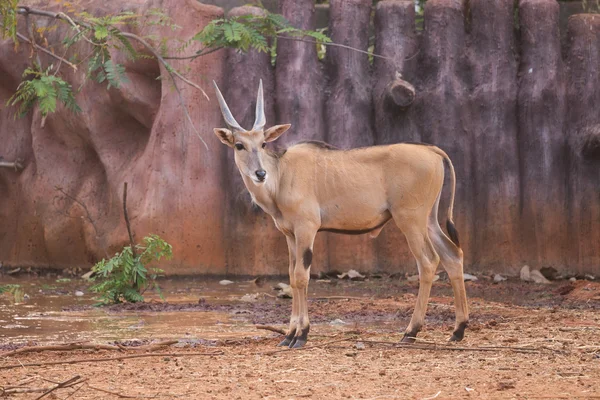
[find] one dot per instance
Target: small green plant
(45, 89)
(253, 31)
(126, 276)
(16, 291)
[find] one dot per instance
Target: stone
(537, 277)
(525, 274)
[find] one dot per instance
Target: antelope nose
(260, 174)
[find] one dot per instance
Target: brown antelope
(314, 187)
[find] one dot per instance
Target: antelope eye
(264, 145)
(239, 146)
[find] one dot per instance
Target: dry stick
(43, 49)
(450, 348)
(86, 346)
(335, 45)
(78, 389)
(83, 360)
(268, 353)
(271, 328)
(60, 385)
(64, 347)
(127, 220)
(198, 54)
(16, 165)
(122, 396)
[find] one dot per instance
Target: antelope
(315, 187)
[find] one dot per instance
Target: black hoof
(459, 333)
(299, 343)
(301, 339)
(410, 337)
(288, 339)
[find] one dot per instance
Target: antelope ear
(275, 131)
(224, 136)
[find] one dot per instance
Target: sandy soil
(524, 342)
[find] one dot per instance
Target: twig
(127, 220)
(26, 390)
(43, 49)
(84, 360)
(73, 380)
(193, 57)
(17, 165)
(450, 348)
(78, 389)
(340, 298)
(270, 328)
(314, 346)
(64, 347)
(87, 346)
(335, 45)
(122, 396)
(82, 204)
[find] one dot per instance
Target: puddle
(195, 310)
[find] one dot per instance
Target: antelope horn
(229, 120)
(261, 120)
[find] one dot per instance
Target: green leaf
(115, 74)
(100, 32)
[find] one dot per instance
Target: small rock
(537, 277)
(359, 346)
(572, 279)
(525, 274)
(549, 273)
(590, 277)
(285, 291)
(260, 281)
(352, 275)
(469, 277)
(87, 275)
(337, 322)
(249, 298)
(499, 278)
(78, 293)
(225, 282)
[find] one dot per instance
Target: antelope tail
(452, 232)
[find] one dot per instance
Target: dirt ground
(524, 341)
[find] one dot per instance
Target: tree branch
(43, 49)
(17, 165)
(133, 252)
(297, 39)
(25, 10)
(198, 54)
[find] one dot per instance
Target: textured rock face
(519, 121)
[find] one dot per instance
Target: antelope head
(249, 146)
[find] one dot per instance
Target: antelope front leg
(294, 317)
(304, 250)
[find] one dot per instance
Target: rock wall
(516, 110)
